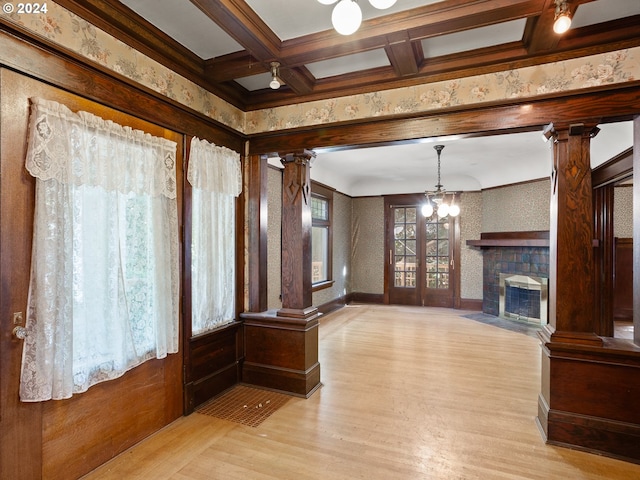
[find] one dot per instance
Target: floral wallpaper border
(72, 32)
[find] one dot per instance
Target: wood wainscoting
(213, 363)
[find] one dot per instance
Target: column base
(281, 352)
(588, 399)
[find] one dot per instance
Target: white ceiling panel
(471, 39)
(185, 23)
(255, 82)
(595, 12)
(349, 63)
(293, 18)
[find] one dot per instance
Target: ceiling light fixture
(436, 200)
(382, 4)
(274, 83)
(562, 19)
(347, 15)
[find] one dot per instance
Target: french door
(422, 255)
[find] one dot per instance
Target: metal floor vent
(245, 405)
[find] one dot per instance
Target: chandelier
(436, 201)
(347, 16)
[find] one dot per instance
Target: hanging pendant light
(274, 83)
(436, 201)
(382, 4)
(346, 17)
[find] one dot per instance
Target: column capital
(301, 157)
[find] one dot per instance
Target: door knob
(20, 332)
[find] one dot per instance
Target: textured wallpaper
(623, 211)
(341, 223)
(368, 245)
(521, 207)
(274, 243)
(470, 257)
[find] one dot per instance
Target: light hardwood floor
(408, 393)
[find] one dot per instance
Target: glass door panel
(405, 256)
(438, 262)
(420, 253)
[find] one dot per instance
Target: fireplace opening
(523, 297)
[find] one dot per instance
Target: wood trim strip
(512, 239)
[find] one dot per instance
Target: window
(321, 236)
(104, 286)
(215, 175)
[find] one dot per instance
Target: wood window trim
(326, 193)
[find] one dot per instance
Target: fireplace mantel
(536, 238)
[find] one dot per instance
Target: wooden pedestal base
(281, 353)
(589, 397)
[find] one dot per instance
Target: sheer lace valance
(215, 174)
(74, 148)
(214, 169)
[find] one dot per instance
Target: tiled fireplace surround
(513, 253)
(532, 261)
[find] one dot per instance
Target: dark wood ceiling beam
(244, 26)
(621, 34)
(538, 35)
(432, 20)
(538, 32)
(298, 79)
(121, 22)
(419, 23)
(401, 54)
(232, 66)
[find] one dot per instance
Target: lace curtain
(104, 287)
(215, 175)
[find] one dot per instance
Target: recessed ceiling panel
(595, 12)
(294, 18)
(185, 23)
(349, 64)
(471, 39)
(255, 82)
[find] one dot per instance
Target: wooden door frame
(416, 199)
(454, 239)
(603, 179)
(391, 201)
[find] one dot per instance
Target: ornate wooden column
(282, 345)
(590, 385)
(571, 234)
(296, 236)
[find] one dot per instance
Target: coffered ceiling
(227, 47)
